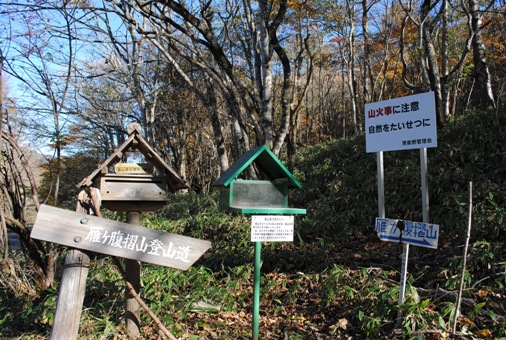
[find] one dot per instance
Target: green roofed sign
(268, 196)
(265, 160)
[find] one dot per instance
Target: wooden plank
(133, 205)
(88, 181)
(115, 238)
(133, 275)
(133, 188)
(71, 296)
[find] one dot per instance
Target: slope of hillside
(337, 280)
(340, 185)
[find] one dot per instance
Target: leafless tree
(232, 44)
(40, 53)
(484, 96)
(17, 189)
(435, 78)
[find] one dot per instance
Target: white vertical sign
(272, 228)
(401, 123)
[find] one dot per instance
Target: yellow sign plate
(133, 168)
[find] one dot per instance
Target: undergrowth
(337, 279)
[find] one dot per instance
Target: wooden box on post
(134, 182)
(133, 188)
(132, 192)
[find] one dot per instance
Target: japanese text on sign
(393, 109)
(272, 228)
(416, 233)
(401, 123)
(116, 238)
(135, 243)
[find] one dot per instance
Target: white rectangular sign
(415, 233)
(401, 123)
(275, 228)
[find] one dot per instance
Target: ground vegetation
(337, 279)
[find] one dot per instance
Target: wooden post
(73, 282)
(133, 272)
(71, 296)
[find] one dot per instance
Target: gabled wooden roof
(135, 141)
(265, 160)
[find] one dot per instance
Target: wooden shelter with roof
(257, 196)
(132, 186)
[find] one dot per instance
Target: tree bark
(71, 296)
(219, 138)
(483, 96)
(266, 86)
(367, 72)
(432, 63)
(350, 65)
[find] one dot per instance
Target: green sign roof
(266, 162)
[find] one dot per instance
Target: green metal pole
(256, 289)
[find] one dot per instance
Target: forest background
(211, 80)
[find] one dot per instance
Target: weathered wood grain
(117, 238)
(71, 296)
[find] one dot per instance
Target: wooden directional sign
(115, 238)
(415, 233)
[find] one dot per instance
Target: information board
(272, 228)
(401, 123)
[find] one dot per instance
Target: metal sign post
(424, 184)
(402, 124)
(405, 246)
(266, 228)
(408, 232)
(381, 184)
(404, 272)
(256, 289)
(268, 198)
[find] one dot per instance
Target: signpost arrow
(115, 238)
(415, 233)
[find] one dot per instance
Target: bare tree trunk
(298, 99)
(445, 85)
(266, 89)
(343, 101)
(4, 240)
(432, 78)
(1, 95)
(219, 138)
(432, 63)
(350, 64)
(484, 96)
(367, 72)
(12, 190)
